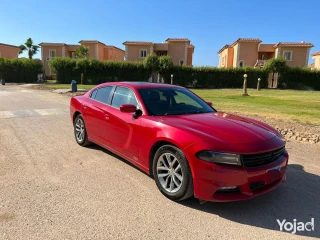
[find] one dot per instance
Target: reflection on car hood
(225, 127)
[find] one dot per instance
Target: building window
(52, 53)
(181, 61)
(143, 53)
(287, 55)
(241, 63)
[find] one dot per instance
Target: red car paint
(134, 139)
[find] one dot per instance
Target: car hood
(221, 126)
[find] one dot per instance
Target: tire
(80, 130)
(173, 181)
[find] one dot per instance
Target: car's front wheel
(80, 131)
(172, 173)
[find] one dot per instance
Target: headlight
(216, 157)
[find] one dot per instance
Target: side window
(103, 94)
(93, 94)
(123, 95)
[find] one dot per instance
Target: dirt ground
(51, 188)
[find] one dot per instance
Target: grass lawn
(67, 86)
(298, 106)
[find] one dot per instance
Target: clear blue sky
(209, 24)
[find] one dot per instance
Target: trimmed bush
(211, 77)
(20, 70)
(97, 72)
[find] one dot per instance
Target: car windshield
(172, 101)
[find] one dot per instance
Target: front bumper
(208, 178)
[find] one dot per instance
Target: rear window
(102, 94)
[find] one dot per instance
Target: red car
(188, 147)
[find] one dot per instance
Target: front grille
(261, 159)
(256, 185)
(233, 190)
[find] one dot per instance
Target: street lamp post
(258, 86)
(171, 79)
(245, 93)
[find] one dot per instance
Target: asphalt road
(51, 188)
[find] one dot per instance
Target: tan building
(251, 52)
(97, 50)
(316, 64)
(8, 51)
(180, 49)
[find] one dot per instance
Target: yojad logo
(295, 226)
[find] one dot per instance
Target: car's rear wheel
(172, 173)
(80, 131)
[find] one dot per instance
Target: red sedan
(188, 147)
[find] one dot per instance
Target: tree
(81, 52)
(278, 65)
(28, 46)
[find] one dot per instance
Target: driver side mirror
(209, 103)
(128, 108)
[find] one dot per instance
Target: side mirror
(137, 113)
(209, 103)
(128, 108)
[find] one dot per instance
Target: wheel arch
(154, 149)
(76, 113)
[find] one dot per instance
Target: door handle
(106, 117)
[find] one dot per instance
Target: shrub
(20, 70)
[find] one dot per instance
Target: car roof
(139, 85)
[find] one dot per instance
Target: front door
(123, 128)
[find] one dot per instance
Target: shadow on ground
(298, 198)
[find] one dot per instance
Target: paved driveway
(51, 188)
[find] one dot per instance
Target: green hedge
(198, 77)
(300, 78)
(20, 70)
(211, 77)
(96, 72)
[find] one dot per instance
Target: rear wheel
(172, 173)
(80, 131)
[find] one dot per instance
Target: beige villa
(180, 49)
(316, 64)
(8, 51)
(97, 50)
(252, 52)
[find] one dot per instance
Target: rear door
(96, 114)
(123, 129)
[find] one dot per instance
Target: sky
(209, 24)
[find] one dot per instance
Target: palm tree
(32, 49)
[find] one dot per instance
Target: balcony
(260, 63)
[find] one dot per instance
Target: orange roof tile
(315, 54)
(224, 47)
(258, 40)
(8, 45)
(50, 43)
(293, 44)
(177, 40)
(137, 43)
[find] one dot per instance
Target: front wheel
(172, 173)
(80, 131)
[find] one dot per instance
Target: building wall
(299, 56)
(316, 62)
(235, 55)
(177, 51)
(101, 48)
(45, 55)
(222, 55)
(230, 57)
(8, 51)
(117, 54)
(133, 52)
(92, 49)
(190, 55)
(249, 53)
